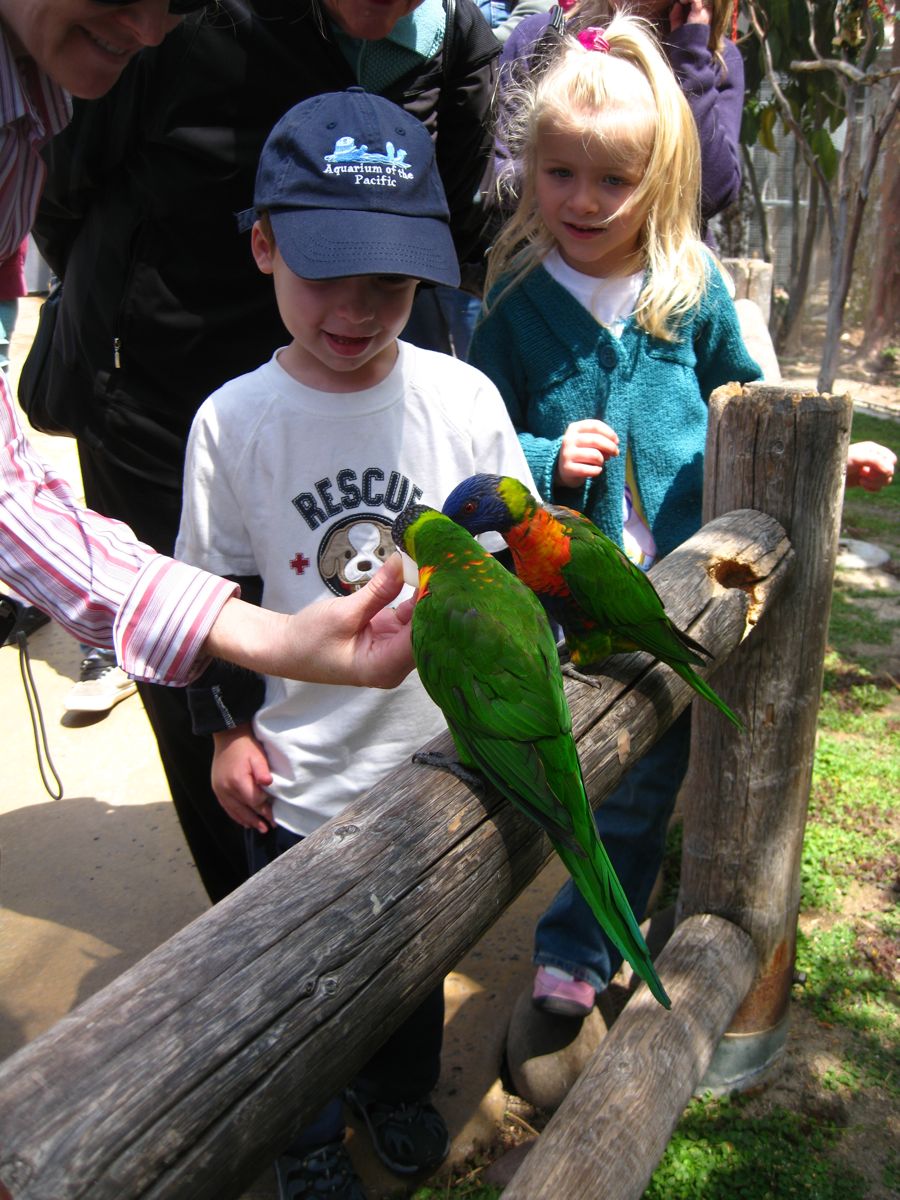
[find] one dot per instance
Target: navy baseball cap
(351, 186)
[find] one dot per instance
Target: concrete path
(91, 883)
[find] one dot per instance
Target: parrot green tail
(703, 689)
(597, 881)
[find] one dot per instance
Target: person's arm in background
(870, 466)
(716, 98)
(525, 8)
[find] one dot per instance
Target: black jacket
(162, 301)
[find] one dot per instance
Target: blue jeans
(9, 310)
(495, 11)
(405, 1068)
(632, 824)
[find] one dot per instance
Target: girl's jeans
(632, 824)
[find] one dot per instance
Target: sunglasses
(178, 8)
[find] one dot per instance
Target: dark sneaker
(407, 1137)
(323, 1173)
(27, 620)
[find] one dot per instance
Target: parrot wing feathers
(610, 589)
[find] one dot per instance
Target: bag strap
(449, 39)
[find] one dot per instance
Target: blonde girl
(707, 64)
(607, 323)
(607, 326)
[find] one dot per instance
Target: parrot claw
(443, 762)
(573, 673)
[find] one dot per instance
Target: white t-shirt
(301, 487)
(610, 302)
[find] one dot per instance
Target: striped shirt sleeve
(92, 575)
(32, 110)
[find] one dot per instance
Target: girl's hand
(690, 12)
(240, 772)
(585, 447)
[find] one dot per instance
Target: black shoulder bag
(34, 381)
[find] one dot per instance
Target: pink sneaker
(555, 992)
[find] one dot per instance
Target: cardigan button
(607, 356)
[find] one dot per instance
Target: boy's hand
(870, 466)
(585, 446)
(240, 771)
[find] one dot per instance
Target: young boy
(294, 474)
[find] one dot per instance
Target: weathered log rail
(613, 1127)
(184, 1076)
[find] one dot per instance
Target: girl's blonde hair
(597, 12)
(628, 101)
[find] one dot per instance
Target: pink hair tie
(593, 38)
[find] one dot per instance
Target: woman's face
(81, 44)
(368, 19)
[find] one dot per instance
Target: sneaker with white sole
(558, 992)
(101, 685)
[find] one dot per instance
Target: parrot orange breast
(540, 548)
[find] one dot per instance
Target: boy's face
(344, 330)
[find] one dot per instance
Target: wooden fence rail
(611, 1130)
(185, 1076)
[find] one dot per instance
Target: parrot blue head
(484, 502)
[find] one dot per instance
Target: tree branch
(866, 78)
(787, 115)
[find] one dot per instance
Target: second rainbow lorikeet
(486, 655)
(604, 603)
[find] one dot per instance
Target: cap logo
(368, 167)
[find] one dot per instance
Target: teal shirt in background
(415, 38)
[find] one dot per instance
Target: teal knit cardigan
(554, 364)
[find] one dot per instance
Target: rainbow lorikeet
(487, 656)
(604, 603)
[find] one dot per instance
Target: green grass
(719, 1152)
(468, 1187)
(847, 982)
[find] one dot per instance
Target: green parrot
(604, 603)
(486, 655)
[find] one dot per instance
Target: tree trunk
(883, 323)
(787, 337)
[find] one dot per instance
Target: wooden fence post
(782, 451)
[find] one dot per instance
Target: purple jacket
(716, 98)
